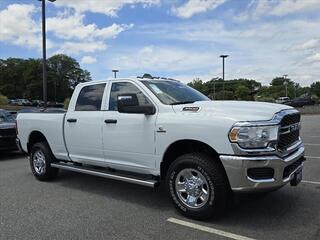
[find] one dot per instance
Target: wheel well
(35, 137)
(181, 147)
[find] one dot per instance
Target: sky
(181, 39)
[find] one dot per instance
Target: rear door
(83, 125)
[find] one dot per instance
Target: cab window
(90, 98)
(121, 88)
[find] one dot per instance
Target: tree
(315, 88)
(22, 78)
(242, 92)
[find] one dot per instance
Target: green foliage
(242, 92)
(315, 88)
(245, 89)
(22, 78)
(66, 103)
(3, 100)
(241, 89)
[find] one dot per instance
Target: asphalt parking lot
(77, 206)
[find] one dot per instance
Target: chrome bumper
(237, 167)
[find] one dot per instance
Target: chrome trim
(148, 183)
(292, 174)
(237, 166)
(276, 119)
(265, 151)
(268, 180)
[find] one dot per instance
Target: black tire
(217, 181)
(49, 172)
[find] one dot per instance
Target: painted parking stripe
(311, 182)
(208, 229)
(312, 157)
(311, 144)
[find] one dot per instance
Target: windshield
(173, 93)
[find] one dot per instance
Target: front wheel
(40, 159)
(198, 186)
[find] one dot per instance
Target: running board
(106, 174)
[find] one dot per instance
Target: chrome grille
(289, 130)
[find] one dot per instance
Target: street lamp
(115, 73)
(223, 57)
(286, 83)
(44, 60)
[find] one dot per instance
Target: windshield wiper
(178, 103)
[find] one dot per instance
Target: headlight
(254, 137)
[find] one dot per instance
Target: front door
(129, 138)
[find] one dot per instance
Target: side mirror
(128, 103)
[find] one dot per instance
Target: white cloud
(313, 58)
(285, 7)
(18, 27)
(310, 44)
(88, 60)
(258, 8)
(107, 7)
(71, 26)
(258, 50)
(162, 58)
(81, 47)
(193, 7)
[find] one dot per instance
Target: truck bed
(49, 124)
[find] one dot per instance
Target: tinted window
(125, 88)
(173, 92)
(90, 98)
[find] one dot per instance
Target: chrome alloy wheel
(192, 188)
(39, 162)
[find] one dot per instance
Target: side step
(106, 174)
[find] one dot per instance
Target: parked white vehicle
(149, 131)
(282, 100)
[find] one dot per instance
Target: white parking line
(208, 229)
(311, 144)
(312, 182)
(312, 157)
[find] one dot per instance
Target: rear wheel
(198, 186)
(40, 159)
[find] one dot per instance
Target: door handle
(72, 120)
(114, 121)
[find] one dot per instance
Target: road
(77, 206)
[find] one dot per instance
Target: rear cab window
(90, 98)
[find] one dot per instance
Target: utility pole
(44, 57)
(286, 83)
(223, 57)
(115, 73)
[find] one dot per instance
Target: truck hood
(236, 110)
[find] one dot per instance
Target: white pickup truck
(147, 131)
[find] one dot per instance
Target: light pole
(286, 83)
(223, 57)
(44, 60)
(115, 73)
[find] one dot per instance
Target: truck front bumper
(262, 173)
